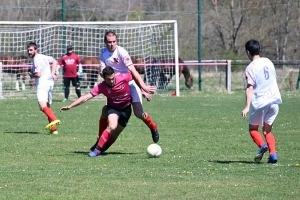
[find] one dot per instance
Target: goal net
(151, 44)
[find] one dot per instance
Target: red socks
(50, 115)
(105, 141)
(257, 138)
(271, 142)
(103, 123)
(148, 121)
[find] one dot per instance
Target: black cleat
(94, 146)
(155, 134)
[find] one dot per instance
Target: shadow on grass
(59, 101)
(23, 132)
(233, 161)
(103, 154)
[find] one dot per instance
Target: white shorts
(44, 94)
(266, 114)
(135, 92)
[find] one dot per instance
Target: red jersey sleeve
(98, 89)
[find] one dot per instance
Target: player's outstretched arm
(77, 102)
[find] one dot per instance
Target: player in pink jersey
(44, 75)
(118, 58)
(70, 61)
(115, 87)
(263, 93)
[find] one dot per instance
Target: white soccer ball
(154, 150)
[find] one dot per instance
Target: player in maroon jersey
(115, 87)
(70, 61)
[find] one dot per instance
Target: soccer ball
(154, 150)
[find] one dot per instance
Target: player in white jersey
(118, 58)
(44, 75)
(263, 93)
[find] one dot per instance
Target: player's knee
(112, 127)
(138, 114)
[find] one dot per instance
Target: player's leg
(53, 130)
(135, 93)
(44, 96)
(267, 128)
(118, 120)
(256, 120)
(103, 123)
(67, 88)
(76, 84)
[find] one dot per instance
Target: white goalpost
(147, 42)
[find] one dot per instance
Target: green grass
(207, 152)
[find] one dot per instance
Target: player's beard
(111, 85)
(31, 55)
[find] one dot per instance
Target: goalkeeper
(69, 62)
(118, 58)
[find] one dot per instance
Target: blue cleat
(261, 152)
(94, 153)
(273, 158)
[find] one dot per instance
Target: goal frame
(174, 22)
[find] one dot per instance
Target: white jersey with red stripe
(261, 74)
(119, 60)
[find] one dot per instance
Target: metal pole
(199, 47)
(63, 18)
(298, 80)
(1, 97)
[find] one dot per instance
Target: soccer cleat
(155, 134)
(64, 100)
(54, 132)
(53, 123)
(273, 158)
(94, 153)
(94, 146)
(261, 152)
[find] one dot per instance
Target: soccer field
(207, 152)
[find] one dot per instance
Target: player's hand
(150, 89)
(80, 72)
(244, 113)
(55, 78)
(64, 108)
(147, 96)
(30, 74)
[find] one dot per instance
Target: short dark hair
(32, 44)
(253, 47)
(107, 71)
(111, 33)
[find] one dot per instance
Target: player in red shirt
(70, 61)
(115, 87)
(118, 58)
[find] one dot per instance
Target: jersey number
(266, 72)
